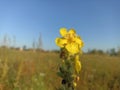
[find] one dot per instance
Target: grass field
(28, 70)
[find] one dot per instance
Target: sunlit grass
(29, 70)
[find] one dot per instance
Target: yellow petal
(63, 32)
(73, 48)
(79, 41)
(82, 44)
(77, 66)
(72, 31)
(60, 42)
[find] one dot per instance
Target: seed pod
(77, 78)
(63, 81)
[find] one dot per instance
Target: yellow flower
(69, 40)
(72, 48)
(61, 42)
(79, 41)
(63, 32)
(77, 57)
(74, 84)
(77, 64)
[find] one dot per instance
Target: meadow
(28, 70)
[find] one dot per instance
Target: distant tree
(24, 47)
(112, 52)
(39, 45)
(100, 51)
(118, 52)
(14, 41)
(56, 51)
(94, 51)
(34, 45)
(5, 41)
(9, 40)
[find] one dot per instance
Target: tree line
(8, 42)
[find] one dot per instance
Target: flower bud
(74, 84)
(77, 78)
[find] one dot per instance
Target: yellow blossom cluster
(69, 40)
(70, 44)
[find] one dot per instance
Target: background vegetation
(36, 70)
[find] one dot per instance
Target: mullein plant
(70, 51)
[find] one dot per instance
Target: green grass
(27, 70)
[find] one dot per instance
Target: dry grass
(29, 70)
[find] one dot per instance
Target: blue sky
(96, 21)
